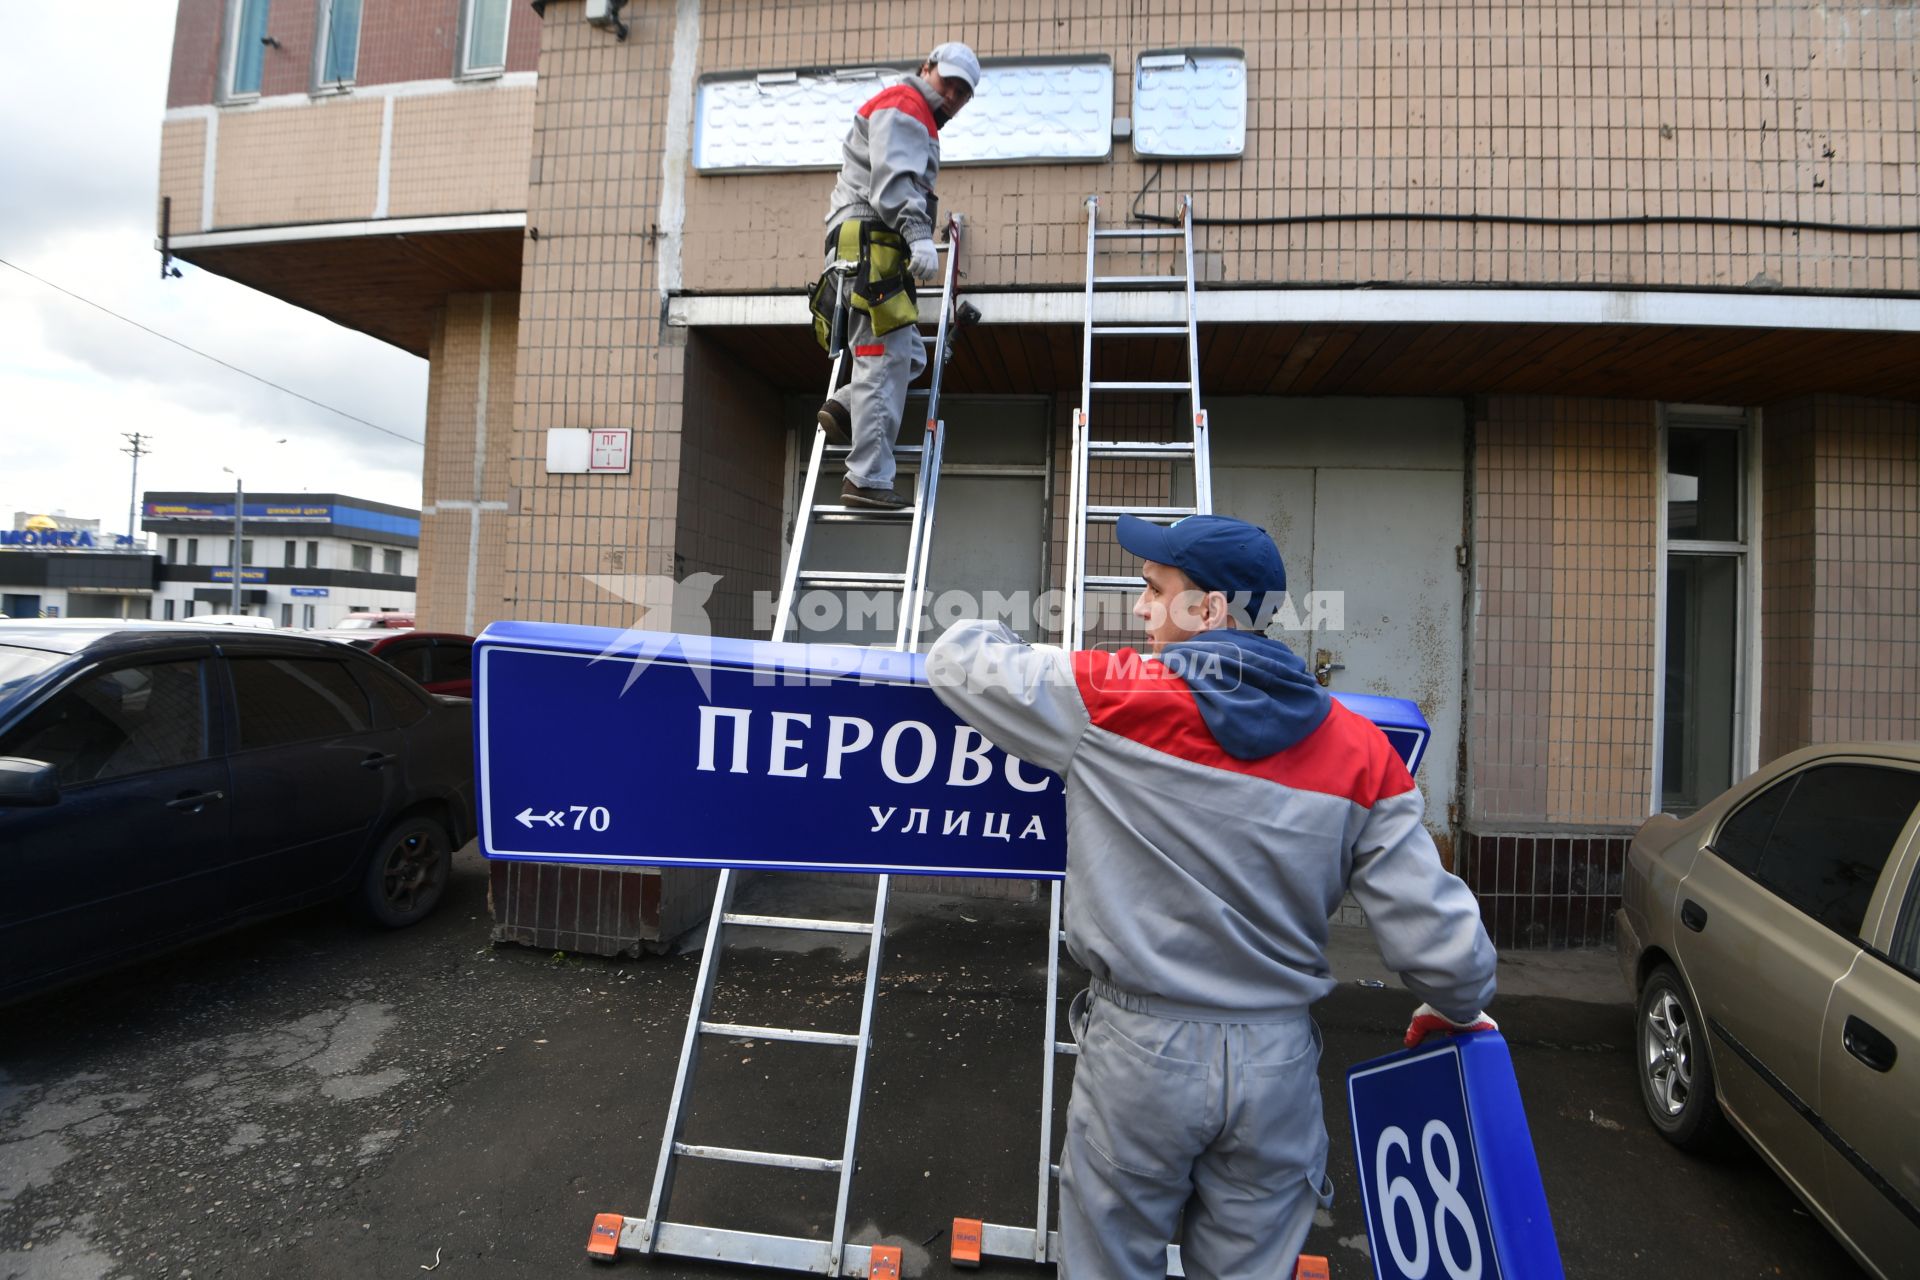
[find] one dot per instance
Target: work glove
(1429, 1021)
(926, 262)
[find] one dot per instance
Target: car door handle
(378, 760)
(1865, 1042)
(197, 801)
(1693, 915)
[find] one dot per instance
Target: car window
(19, 665)
(399, 702)
(1744, 835)
(409, 659)
(113, 723)
(285, 700)
(452, 660)
(1831, 841)
(1906, 939)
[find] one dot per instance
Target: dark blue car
(161, 782)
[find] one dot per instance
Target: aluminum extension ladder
(973, 1239)
(654, 1234)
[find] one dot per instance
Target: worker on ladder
(1219, 804)
(880, 222)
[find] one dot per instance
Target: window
(410, 659)
(246, 46)
(166, 607)
(286, 700)
(337, 44)
(313, 555)
(173, 551)
(1906, 940)
(452, 660)
(363, 559)
(246, 550)
(306, 616)
(1704, 722)
(389, 561)
(1744, 836)
(483, 37)
(399, 703)
(292, 550)
(1832, 839)
(116, 723)
(193, 551)
(286, 615)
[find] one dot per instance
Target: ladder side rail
(906, 634)
(802, 522)
(859, 1072)
(1078, 479)
(1202, 460)
(703, 988)
(1046, 1073)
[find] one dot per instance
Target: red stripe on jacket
(902, 97)
(1346, 756)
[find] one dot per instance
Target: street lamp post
(238, 558)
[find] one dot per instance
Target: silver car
(1773, 942)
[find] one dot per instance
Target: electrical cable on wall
(1522, 219)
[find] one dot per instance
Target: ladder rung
(1139, 448)
(1107, 515)
(844, 515)
(850, 579)
(739, 1031)
(1165, 281)
(815, 1164)
(1109, 582)
(1139, 386)
(792, 922)
(1138, 233)
(1135, 330)
(899, 451)
(1067, 1047)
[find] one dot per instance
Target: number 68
(1448, 1203)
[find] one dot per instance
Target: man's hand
(1429, 1022)
(926, 261)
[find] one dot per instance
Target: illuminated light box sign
(1448, 1177)
(655, 749)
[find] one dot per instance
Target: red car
(439, 661)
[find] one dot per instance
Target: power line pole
(137, 447)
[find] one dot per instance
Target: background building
(308, 559)
(61, 566)
(1576, 345)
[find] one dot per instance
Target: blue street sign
(309, 591)
(655, 749)
(1448, 1177)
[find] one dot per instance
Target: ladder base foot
(603, 1242)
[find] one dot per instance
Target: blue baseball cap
(1219, 553)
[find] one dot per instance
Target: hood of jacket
(1255, 695)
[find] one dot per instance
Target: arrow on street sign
(528, 817)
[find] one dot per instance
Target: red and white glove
(1429, 1022)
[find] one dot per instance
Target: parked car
(376, 622)
(438, 661)
(161, 782)
(1773, 942)
(254, 620)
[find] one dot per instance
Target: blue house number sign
(1447, 1171)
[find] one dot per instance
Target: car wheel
(407, 873)
(1676, 1080)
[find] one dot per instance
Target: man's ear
(1218, 613)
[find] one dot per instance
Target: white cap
(956, 60)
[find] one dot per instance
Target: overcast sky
(81, 107)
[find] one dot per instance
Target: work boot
(852, 495)
(834, 420)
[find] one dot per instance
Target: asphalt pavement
(308, 1098)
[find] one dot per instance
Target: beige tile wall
(1561, 681)
(1624, 107)
(593, 349)
(1842, 567)
(461, 152)
(183, 149)
(319, 163)
(464, 480)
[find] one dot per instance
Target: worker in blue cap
(1219, 806)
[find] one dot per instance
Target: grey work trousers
(1218, 1121)
(876, 398)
